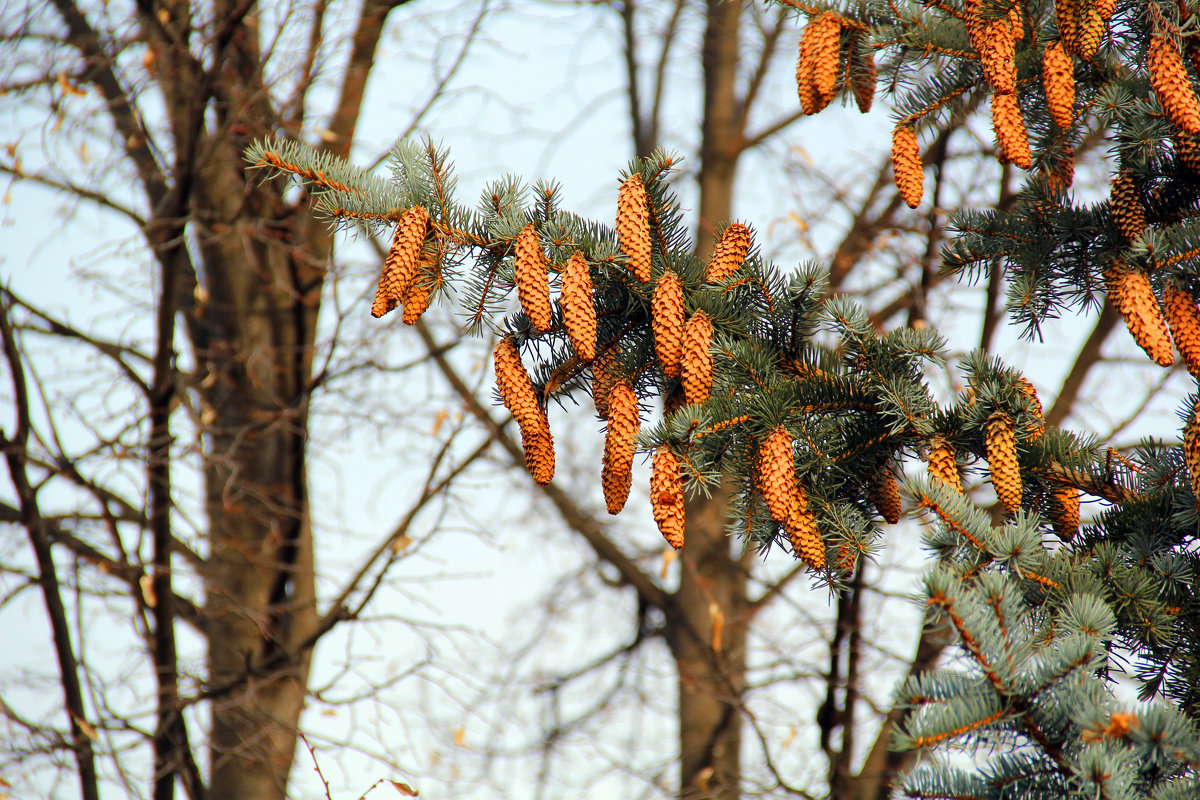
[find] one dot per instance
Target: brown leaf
(718, 625)
(404, 789)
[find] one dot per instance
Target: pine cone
(884, 493)
(803, 532)
(1067, 12)
(1170, 82)
(846, 558)
(1060, 169)
(729, 253)
(1001, 443)
(863, 75)
(805, 87)
(604, 376)
(1191, 450)
(516, 390)
(633, 226)
(777, 474)
(1130, 293)
(533, 282)
(578, 306)
(697, 367)
(995, 41)
(1187, 150)
(1089, 30)
(619, 445)
(1125, 206)
(1034, 430)
(1058, 78)
(906, 165)
(400, 264)
(1064, 512)
(1183, 318)
(666, 496)
(942, 463)
(424, 284)
(826, 41)
(668, 318)
(1009, 126)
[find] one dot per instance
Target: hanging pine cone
(906, 165)
(1001, 445)
(633, 226)
(1067, 11)
(777, 473)
(1183, 318)
(995, 41)
(1125, 206)
(519, 397)
(863, 74)
(578, 306)
(1035, 429)
(533, 282)
(803, 532)
(1090, 29)
(1170, 82)
(1187, 150)
(619, 445)
(884, 493)
(604, 375)
(1060, 169)
(1064, 512)
(827, 34)
(697, 367)
(942, 463)
(1191, 450)
(1009, 125)
(1130, 293)
(668, 318)
(426, 281)
(666, 496)
(847, 557)
(400, 263)
(805, 87)
(1058, 79)
(729, 253)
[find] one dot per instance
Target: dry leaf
(718, 622)
(668, 558)
(460, 737)
(147, 585)
(791, 737)
(439, 421)
(85, 727)
(404, 789)
(401, 543)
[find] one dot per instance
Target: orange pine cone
(1187, 150)
(729, 253)
(1089, 30)
(1058, 78)
(777, 474)
(995, 41)
(1191, 450)
(885, 495)
(400, 264)
(942, 463)
(847, 557)
(1183, 318)
(1170, 82)
(1034, 430)
(1060, 172)
(803, 532)
(578, 306)
(827, 34)
(633, 226)
(666, 496)
(906, 165)
(416, 302)
(1009, 125)
(805, 87)
(1067, 11)
(516, 390)
(1001, 444)
(697, 367)
(603, 377)
(863, 76)
(1125, 206)
(533, 282)
(1064, 512)
(668, 318)
(619, 445)
(1130, 293)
